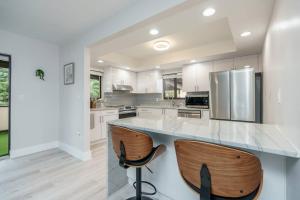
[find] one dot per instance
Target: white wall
(35, 103)
(74, 100)
(281, 61)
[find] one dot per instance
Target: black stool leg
(138, 195)
(138, 183)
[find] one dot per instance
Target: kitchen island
(265, 141)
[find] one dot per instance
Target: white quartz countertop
(259, 137)
(103, 108)
(169, 107)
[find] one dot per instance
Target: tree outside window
(95, 86)
(4, 86)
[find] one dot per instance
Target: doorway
(5, 86)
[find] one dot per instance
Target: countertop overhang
(249, 136)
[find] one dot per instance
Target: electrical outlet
(78, 133)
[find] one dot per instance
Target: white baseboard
(52, 145)
(33, 149)
(84, 156)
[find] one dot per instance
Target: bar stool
(135, 149)
(219, 173)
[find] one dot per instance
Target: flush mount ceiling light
(100, 61)
(154, 31)
(245, 34)
(157, 67)
(161, 45)
(193, 61)
(208, 12)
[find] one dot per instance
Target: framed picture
(69, 73)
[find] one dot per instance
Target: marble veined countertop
(170, 107)
(258, 137)
(103, 108)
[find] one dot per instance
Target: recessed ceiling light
(100, 61)
(154, 31)
(247, 66)
(208, 12)
(127, 67)
(245, 34)
(161, 45)
(193, 61)
(157, 67)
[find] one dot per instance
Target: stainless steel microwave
(197, 101)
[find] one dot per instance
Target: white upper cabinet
(247, 61)
(107, 80)
(149, 82)
(223, 65)
(195, 77)
(237, 63)
(118, 76)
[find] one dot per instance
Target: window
(172, 84)
(95, 86)
(4, 84)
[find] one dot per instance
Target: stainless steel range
(127, 111)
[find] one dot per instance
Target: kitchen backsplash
(111, 99)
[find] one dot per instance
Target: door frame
(9, 103)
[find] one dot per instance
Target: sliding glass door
(4, 104)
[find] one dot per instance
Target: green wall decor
(40, 73)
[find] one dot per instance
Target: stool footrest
(142, 198)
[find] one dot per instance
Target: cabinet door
(132, 81)
(149, 112)
(107, 80)
(205, 114)
(189, 78)
(223, 65)
(247, 61)
(202, 76)
(141, 82)
(105, 119)
(155, 81)
(149, 82)
(170, 112)
(96, 131)
(141, 112)
(120, 76)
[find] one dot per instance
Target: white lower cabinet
(204, 114)
(156, 112)
(99, 130)
(149, 112)
(170, 112)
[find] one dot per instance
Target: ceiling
(56, 21)
(191, 35)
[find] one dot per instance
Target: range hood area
(125, 88)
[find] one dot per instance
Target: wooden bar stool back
(218, 172)
(135, 149)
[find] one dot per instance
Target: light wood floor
(54, 175)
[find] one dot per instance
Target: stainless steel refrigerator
(235, 95)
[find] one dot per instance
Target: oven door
(127, 115)
(189, 113)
